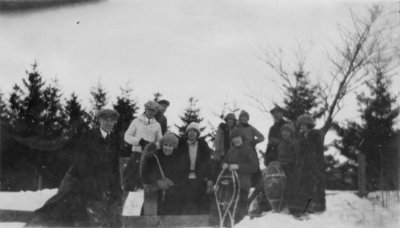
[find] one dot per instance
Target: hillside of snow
(344, 209)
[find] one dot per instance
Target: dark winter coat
(195, 199)
(92, 182)
(162, 120)
(310, 191)
(274, 134)
(222, 139)
(173, 167)
(252, 135)
(246, 158)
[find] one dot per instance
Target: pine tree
(99, 97)
(127, 107)
(54, 115)
(99, 100)
(16, 109)
(302, 98)
(192, 114)
(76, 115)
(3, 108)
(379, 111)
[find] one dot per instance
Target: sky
(207, 49)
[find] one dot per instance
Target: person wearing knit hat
(243, 159)
(310, 169)
(143, 130)
(198, 173)
(222, 142)
(160, 116)
(166, 169)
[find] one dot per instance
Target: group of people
(182, 170)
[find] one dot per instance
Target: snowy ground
(344, 209)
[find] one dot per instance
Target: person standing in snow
(251, 138)
(168, 175)
(90, 193)
(142, 131)
(222, 141)
(274, 135)
(242, 159)
(288, 151)
(160, 116)
(310, 190)
(198, 173)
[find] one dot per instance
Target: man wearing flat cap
(90, 194)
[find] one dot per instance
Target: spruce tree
(191, 114)
(99, 100)
(302, 98)
(379, 111)
(76, 115)
(54, 115)
(3, 108)
(16, 109)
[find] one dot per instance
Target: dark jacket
(310, 173)
(222, 139)
(246, 158)
(253, 136)
(288, 151)
(162, 120)
(94, 177)
(203, 165)
(274, 134)
(173, 168)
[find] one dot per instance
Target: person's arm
(158, 136)
(259, 136)
(130, 134)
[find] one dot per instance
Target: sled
(227, 192)
(274, 185)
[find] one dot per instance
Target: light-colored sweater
(143, 128)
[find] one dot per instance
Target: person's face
(150, 112)
(286, 134)
(237, 141)
(303, 128)
(277, 115)
(230, 122)
(107, 124)
(192, 134)
(244, 119)
(163, 108)
(168, 149)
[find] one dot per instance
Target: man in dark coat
(198, 173)
(274, 135)
(310, 191)
(160, 116)
(90, 194)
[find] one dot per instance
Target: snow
(344, 209)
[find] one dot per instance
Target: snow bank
(25, 200)
(344, 209)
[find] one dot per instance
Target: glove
(143, 143)
(164, 183)
(233, 167)
(210, 187)
(225, 166)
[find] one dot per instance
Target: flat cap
(107, 113)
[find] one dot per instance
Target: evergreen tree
(99, 100)
(302, 98)
(16, 109)
(379, 111)
(192, 114)
(3, 108)
(77, 115)
(99, 97)
(127, 107)
(54, 115)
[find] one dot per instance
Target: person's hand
(164, 184)
(210, 187)
(233, 167)
(143, 143)
(225, 166)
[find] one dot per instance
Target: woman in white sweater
(142, 130)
